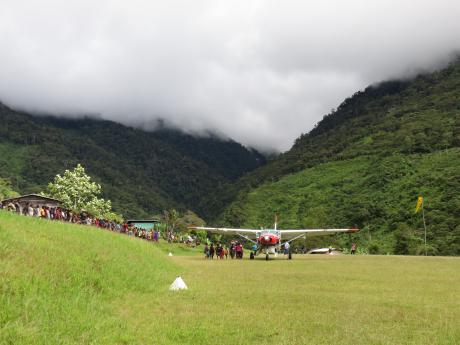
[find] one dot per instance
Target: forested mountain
(365, 164)
(141, 172)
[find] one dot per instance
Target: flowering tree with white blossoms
(77, 192)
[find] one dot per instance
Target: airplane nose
(267, 238)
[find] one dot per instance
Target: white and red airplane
(268, 241)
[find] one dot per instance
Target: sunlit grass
(65, 284)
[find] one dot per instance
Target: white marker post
(178, 284)
(424, 225)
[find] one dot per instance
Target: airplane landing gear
(251, 256)
(290, 256)
(266, 257)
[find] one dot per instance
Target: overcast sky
(260, 72)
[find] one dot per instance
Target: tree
(406, 242)
(170, 217)
(5, 189)
(78, 193)
(189, 218)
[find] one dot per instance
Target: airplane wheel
(266, 257)
(251, 256)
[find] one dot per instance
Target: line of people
(30, 210)
(83, 218)
(235, 250)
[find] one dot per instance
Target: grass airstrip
(69, 284)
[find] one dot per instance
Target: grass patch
(60, 283)
(67, 284)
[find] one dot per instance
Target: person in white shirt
(286, 248)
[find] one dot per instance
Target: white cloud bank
(261, 72)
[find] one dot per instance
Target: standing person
(353, 248)
(286, 248)
(239, 250)
(226, 252)
(232, 250)
(17, 207)
(30, 210)
(10, 207)
(222, 252)
(206, 251)
(211, 251)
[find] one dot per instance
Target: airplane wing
(290, 234)
(251, 233)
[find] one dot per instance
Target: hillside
(365, 164)
(53, 292)
(141, 172)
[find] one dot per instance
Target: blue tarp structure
(147, 224)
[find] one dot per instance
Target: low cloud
(260, 72)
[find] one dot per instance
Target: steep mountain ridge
(417, 116)
(376, 153)
(141, 172)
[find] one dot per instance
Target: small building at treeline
(34, 200)
(145, 224)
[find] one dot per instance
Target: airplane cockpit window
(271, 232)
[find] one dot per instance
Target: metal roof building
(146, 224)
(33, 200)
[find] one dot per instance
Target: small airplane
(268, 241)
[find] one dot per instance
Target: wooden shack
(33, 200)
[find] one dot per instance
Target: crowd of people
(235, 250)
(45, 212)
(84, 218)
(63, 215)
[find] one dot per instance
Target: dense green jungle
(363, 165)
(142, 172)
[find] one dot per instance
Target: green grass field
(68, 284)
